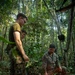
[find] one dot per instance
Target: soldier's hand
(26, 58)
(60, 69)
(46, 73)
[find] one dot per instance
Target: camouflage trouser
(17, 65)
(17, 69)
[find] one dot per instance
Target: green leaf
(5, 41)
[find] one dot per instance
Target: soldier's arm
(44, 60)
(19, 45)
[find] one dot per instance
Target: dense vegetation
(45, 24)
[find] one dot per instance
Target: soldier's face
(51, 50)
(22, 21)
(22, 35)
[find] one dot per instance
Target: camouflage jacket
(50, 61)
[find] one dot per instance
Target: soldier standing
(15, 36)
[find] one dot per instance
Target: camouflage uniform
(17, 66)
(50, 62)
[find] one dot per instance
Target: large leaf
(5, 41)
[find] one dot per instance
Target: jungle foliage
(43, 27)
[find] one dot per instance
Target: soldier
(17, 61)
(15, 36)
(51, 61)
